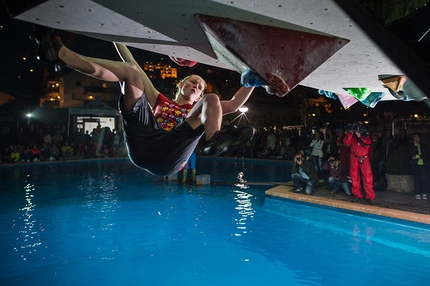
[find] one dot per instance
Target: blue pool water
(109, 223)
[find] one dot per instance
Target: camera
(299, 159)
(331, 162)
(356, 127)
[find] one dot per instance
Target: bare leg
(107, 70)
(208, 112)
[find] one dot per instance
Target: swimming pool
(109, 223)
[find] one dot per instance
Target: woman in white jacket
(317, 146)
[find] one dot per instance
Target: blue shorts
(152, 148)
(191, 164)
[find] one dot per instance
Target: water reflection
(103, 191)
(245, 210)
(360, 236)
(101, 202)
(242, 182)
(28, 239)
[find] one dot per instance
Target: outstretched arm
(239, 99)
(126, 56)
(347, 140)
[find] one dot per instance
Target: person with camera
(317, 153)
(360, 143)
(338, 175)
(420, 158)
(303, 174)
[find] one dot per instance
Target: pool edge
(285, 192)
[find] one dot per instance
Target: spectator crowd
(50, 143)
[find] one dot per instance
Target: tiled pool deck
(389, 204)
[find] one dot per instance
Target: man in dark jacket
(384, 146)
(420, 158)
(338, 175)
(303, 174)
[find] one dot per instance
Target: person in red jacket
(360, 144)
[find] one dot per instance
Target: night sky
(16, 78)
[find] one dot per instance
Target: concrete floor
(389, 204)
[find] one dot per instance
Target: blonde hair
(183, 80)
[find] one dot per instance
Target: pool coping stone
(286, 191)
